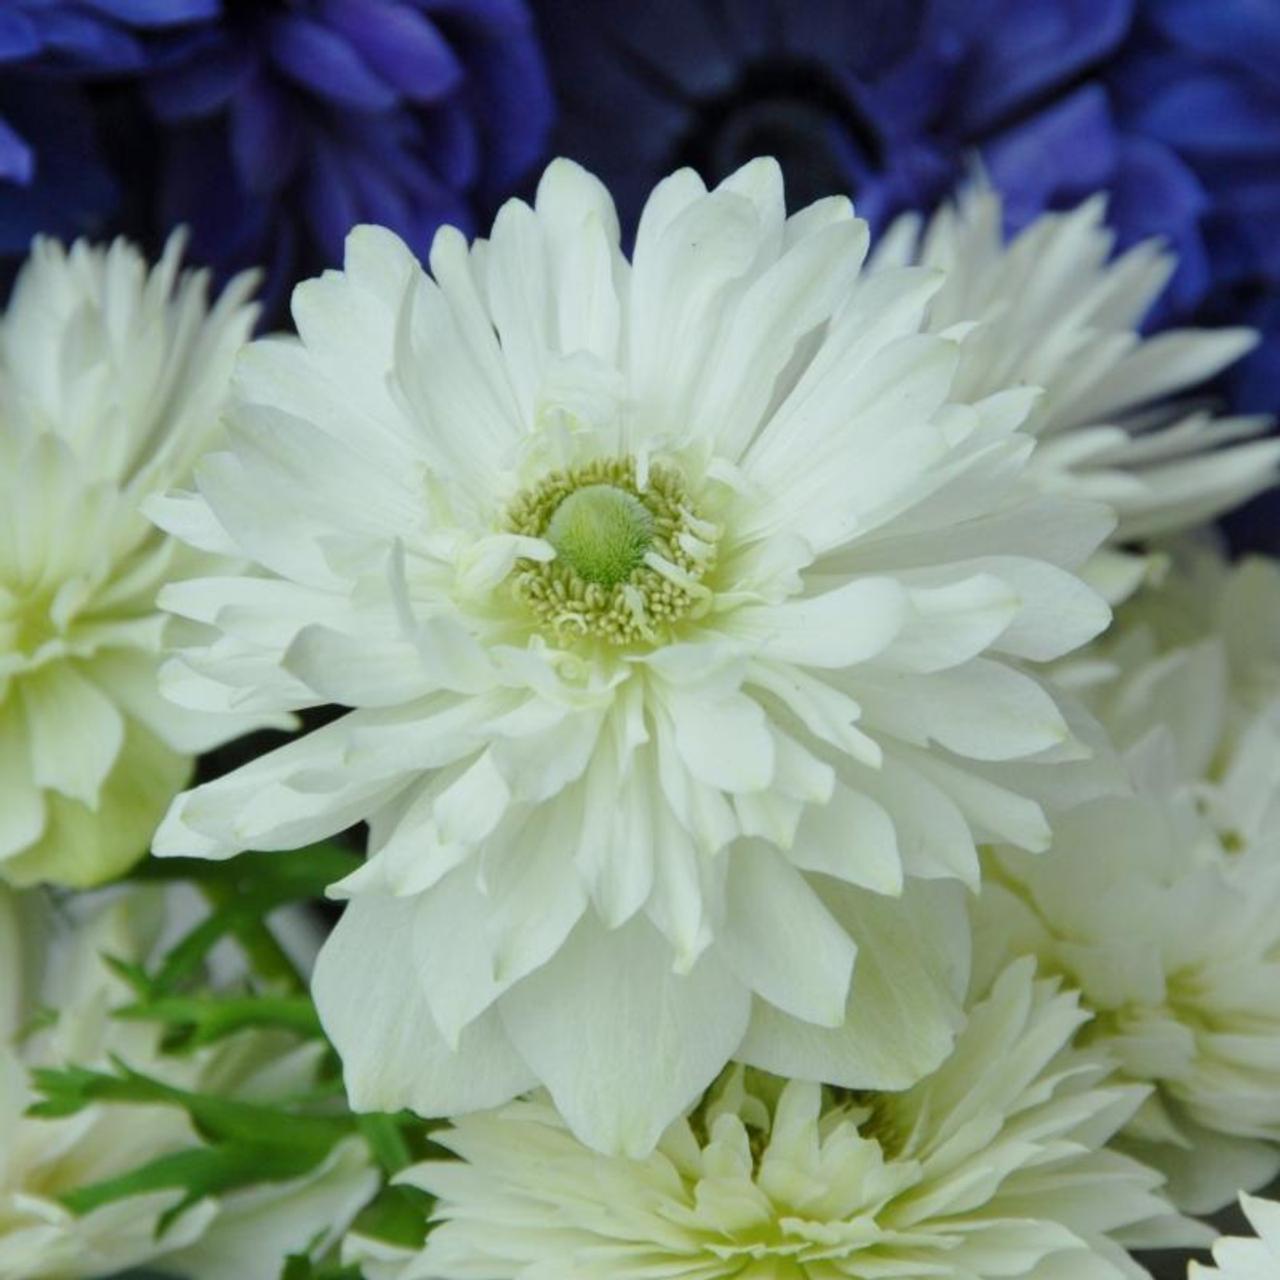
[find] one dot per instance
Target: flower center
(602, 533)
(26, 625)
(631, 552)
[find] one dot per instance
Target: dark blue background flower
(1173, 106)
(284, 123)
(270, 127)
(53, 177)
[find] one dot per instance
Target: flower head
(285, 124)
(683, 609)
(112, 379)
(57, 995)
(964, 1174)
(1196, 657)
(1174, 944)
(1056, 310)
(1241, 1258)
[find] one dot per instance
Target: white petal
(951, 623)
(680, 279)
(1166, 362)
(787, 302)
(277, 1219)
(134, 682)
(374, 1009)
(839, 628)
(581, 228)
(76, 731)
(22, 804)
(781, 941)
(306, 790)
(596, 1021)
(983, 710)
(724, 742)
(357, 671)
(852, 838)
(904, 1003)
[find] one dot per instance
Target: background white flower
(1174, 944)
(1198, 655)
(56, 997)
(685, 611)
(993, 1165)
(1239, 1258)
(1055, 309)
(112, 378)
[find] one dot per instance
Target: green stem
(267, 958)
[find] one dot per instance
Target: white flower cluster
(57, 992)
(112, 380)
(780, 863)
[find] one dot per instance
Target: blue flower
(845, 92)
(283, 124)
(1198, 85)
(1173, 106)
(53, 177)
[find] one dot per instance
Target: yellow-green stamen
(630, 559)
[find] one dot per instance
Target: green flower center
(26, 623)
(631, 554)
(602, 533)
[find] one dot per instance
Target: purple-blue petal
(19, 37)
(331, 202)
(155, 13)
(450, 142)
(17, 160)
(322, 62)
(1240, 31)
(70, 191)
(401, 44)
(1208, 112)
(265, 136)
(81, 41)
(1057, 157)
(201, 85)
(1041, 46)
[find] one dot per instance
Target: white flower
(1054, 309)
(1238, 1258)
(683, 609)
(56, 997)
(1198, 655)
(993, 1165)
(111, 383)
(1174, 945)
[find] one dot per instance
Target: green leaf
(386, 1140)
(68, 1090)
(200, 1020)
(397, 1214)
(300, 1267)
(243, 892)
(291, 876)
(199, 1172)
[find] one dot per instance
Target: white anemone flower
(112, 379)
(1198, 654)
(56, 997)
(685, 614)
(1174, 944)
(992, 1165)
(1122, 418)
(1242, 1258)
